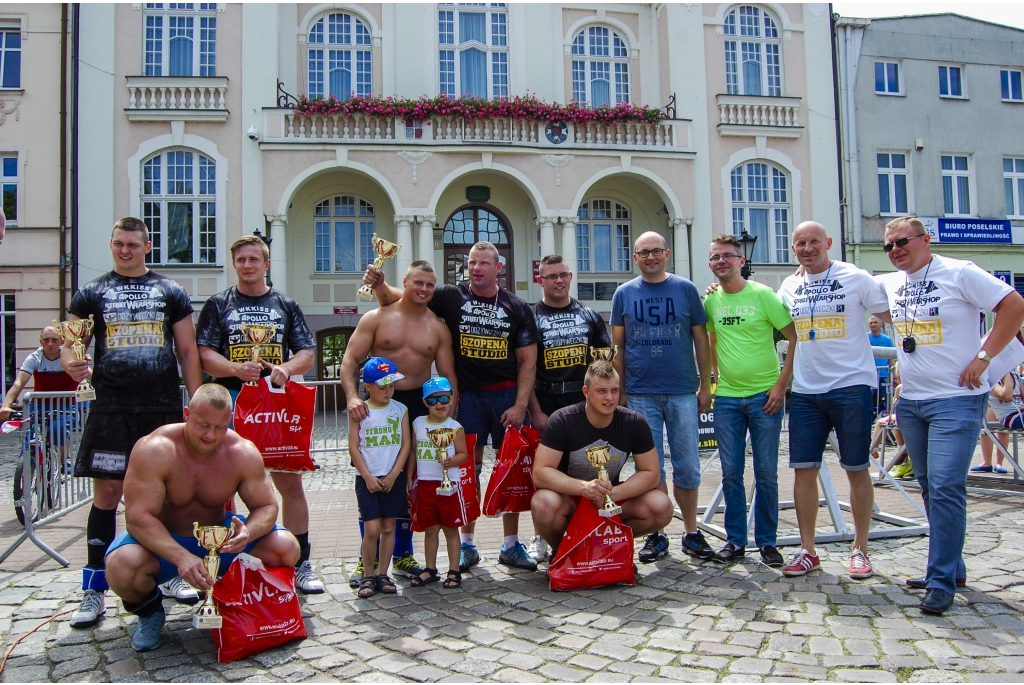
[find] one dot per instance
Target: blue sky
(1009, 13)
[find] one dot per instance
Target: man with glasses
(568, 330)
(936, 303)
(658, 325)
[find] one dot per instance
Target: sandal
(367, 588)
(386, 585)
(453, 580)
(420, 581)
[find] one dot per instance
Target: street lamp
(747, 243)
(267, 239)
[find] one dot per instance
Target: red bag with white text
(595, 551)
(511, 487)
(259, 608)
(279, 421)
(470, 496)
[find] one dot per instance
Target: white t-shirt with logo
(940, 306)
(839, 354)
(380, 437)
(427, 465)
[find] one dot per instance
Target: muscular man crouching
(180, 474)
(563, 474)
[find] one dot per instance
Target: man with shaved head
(834, 375)
(43, 367)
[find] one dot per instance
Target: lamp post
(747, 243)
(267, 239)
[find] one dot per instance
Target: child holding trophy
(440, 450)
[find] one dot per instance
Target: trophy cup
(385, 249)
(442, 438)
(605, 353)
(75, 331)
(598, 455)
(211, 538)
(258, 335)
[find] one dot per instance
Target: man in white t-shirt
(834, 376)
(935, 303)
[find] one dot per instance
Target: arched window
(179, 204)
(473, 49)
(339, 61)
(600, 67)
(602, 236)
(180, 39)
(469, 225)
(752, 54)
(344, 226)
(760, 205)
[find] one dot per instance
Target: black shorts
(550, 402)
(108, 439)
(382, 505)
(413, 401)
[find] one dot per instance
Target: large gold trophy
(258, 335)
(75, 331)
(385, 249)
(211, 538)
(599, 455)
(442, 438)
(605, 353)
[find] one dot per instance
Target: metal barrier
(49, 490)
(330, 422)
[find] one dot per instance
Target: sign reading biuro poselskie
(706, 439)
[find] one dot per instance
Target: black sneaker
(695, 545)
(771, 557)
(655, 547)
(729, 553)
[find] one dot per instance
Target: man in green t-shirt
(742, 318)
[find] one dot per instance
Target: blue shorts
(382, 505)
(169, 570)
(61, 422)
(848, 411)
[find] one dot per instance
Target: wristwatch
(984, 356)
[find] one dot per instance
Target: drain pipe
(75, 58)
(62, 271)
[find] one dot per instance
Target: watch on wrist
(984, 356)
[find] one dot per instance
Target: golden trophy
(599, 455)
(442, 438)
(605, 353)
(75, 331)
(385, 249)
(258, 335)
(211, 538)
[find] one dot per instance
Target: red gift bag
(595, 551)
(279, 421)
(469, 492)
(259, 608)
(511, 487)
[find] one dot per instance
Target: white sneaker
(538, 550)
(306, 580)
(94, 605)
(180, 590)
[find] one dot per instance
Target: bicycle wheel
(20, 489)
(53, 477)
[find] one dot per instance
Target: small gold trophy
(598, 455)
(258, 335)
(75, 331)
(211, 538)
(385, 249)
(605, 353)
(442, 438)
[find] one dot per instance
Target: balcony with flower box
(755, 115)
(177, 98)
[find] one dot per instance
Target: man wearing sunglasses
(935, 303)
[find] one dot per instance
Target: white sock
(467, 538)
(510, 542)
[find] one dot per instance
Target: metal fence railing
(330, 423)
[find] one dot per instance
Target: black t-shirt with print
(486, 332)
(570, 432)
(134, 366)
(566, 336)
(220, 328)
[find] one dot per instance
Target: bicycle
(47, 459)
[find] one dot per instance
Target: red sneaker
(860, 565)
(802, 563)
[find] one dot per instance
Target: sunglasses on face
(900, 243)
(443, 399)
(657, 252)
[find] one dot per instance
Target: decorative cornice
(414, 158)
(10, 107)
(540, 220)
(408, 218)
(557, 161)
(426, 218)
(277, 218)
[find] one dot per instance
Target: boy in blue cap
(379, 446)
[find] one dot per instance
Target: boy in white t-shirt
(436, 511)
(379, 446)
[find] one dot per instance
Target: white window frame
(200, 21)
(955, 174)
(11, 28)
(776, 196)
(946, 74)
(617, 217)
(330, 211)
(15, 181)
(1009, 72)
(1013, 187)
(901, 82)
(357, 53)
(156, 194)
(589, 62)
(496, 49)
(890, 173)
(744, 38)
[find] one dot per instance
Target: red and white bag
(470, 496)
(595, 551)
(259, 608)
(279, 421)
(511, 487)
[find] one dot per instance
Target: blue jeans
(733, 417)
(941, 435)
(679, 411)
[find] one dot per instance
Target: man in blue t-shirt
(658, 323)
(879, 339)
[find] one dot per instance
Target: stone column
(569, 249)
(680, 240)
(425, 240)
(278, 251)
(547, 234)
(403, 236)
